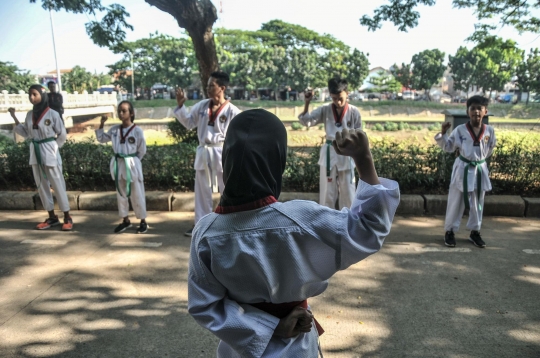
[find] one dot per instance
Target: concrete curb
(495, 205)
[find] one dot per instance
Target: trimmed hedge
(418, 169)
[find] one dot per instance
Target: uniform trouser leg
(47, 177)
(123, 201)
(328, 187)
(475, 213)
(138, 199)
(346, 188)
(203, 195)
(454, 209)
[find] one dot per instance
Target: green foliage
(156, 59)
(427, 68)
(391, 127)
(402, 126)
(180, 134)
(13, 79)
(321, 127)
(296, 126)
(378, 127)
(402, 74)
(418, 168)
(527, 73)
(434, 127)
(384, 82)
(79, 79)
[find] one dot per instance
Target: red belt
(280, 310)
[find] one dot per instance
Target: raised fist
(180, 97)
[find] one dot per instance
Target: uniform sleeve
(491, 145)
(103, 137)
(59, 129)
(187, 119)
(245, 328)
(21, 129)
(447, 143)
(352, 234)
(312, 118)
(357, 120)
(141, 146)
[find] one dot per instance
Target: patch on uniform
(223, 118)
(349, 124)
(486, 138)
(338, 124)
(47, 122)
(131, 140)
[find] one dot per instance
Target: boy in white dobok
(470, 175)
(336, 171)
(129, 146)
(44, 128)
(211, 117)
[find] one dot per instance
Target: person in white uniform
(336, 171)
(129, 146)
(44, 128)
(211, 117)
(255, 261)
(470, 174)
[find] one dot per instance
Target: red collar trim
(212, 115)
(339, 119)
(257, 204)
(476, 139)
(36, 122)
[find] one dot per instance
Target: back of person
(255, 256)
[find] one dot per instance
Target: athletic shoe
(189, 232)
(48, 223)
(68, 225)
(449, 239)
(122, 227)
(143, 227)
(476, 239)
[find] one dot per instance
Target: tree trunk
(197, 17)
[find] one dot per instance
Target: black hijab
(41, 106)
(254, 157)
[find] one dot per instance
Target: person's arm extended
(101, 136)
(354, 143)
(20, 129)
(444, 141)
(185, 118)
(313, 118)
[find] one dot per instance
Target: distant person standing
(56, 101)
(336, 171)
(211, 117)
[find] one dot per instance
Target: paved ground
(90, 293)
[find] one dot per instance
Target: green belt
(128, 172)
(474, 164)
(328, 169)
(37, 149)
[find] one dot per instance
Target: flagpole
(58, 77)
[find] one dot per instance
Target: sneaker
(143, 227)
(189, 232)
(48, 223)
(476, 239)
(122, 227)
(68, 225)
(449, 239)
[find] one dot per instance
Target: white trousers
(203, 193)
(456, 206)
(53, 177)
(138, 199)
(340, 185)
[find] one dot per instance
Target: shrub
(296, 126)
(180, 134)
(390, 126)
(434, 127)
(321, 127)
(378, 127)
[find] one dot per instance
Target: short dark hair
(221, 78)
(131, 110)
(337, 85)
(51, 83)
(481, 100)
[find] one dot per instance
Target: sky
(27, 37)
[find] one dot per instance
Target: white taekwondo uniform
(208, 167)
(311, 240)
(45, 159)
(129, 147)
(471, 163)
(336, 171)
